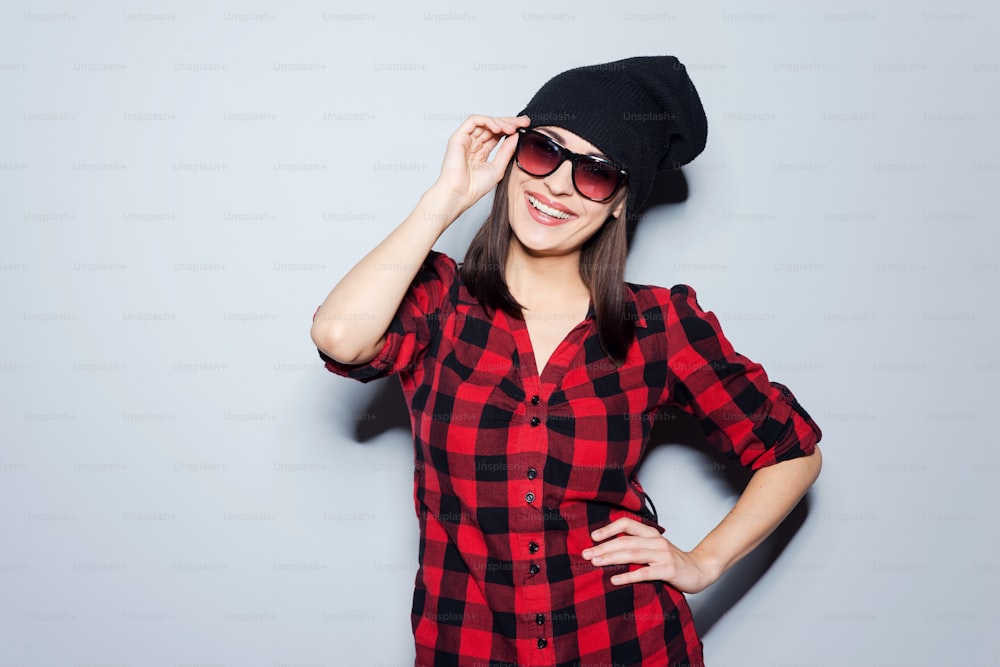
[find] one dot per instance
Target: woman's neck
(544, 278)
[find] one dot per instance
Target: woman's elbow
(332, 342)
(815, 463)
(328, 341)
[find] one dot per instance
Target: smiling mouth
(548, 210)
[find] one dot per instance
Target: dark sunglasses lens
(595, 179)
(537, 155)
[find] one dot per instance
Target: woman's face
(539, 229)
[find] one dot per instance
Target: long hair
(602, 268)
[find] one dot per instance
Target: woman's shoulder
(664, 303)
(434, 281)
(682, 290)
(437, 270)
(441, 261)
(446, 274)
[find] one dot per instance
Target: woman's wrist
(711, 564)
(443, 205)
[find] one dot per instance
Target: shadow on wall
(388, 405)
(681, 429)
(669, 187)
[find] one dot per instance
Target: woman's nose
(560, 181)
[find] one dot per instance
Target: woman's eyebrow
(558, 137)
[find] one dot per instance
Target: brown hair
(602, 268)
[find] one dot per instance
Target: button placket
(535, 419)
(531, 474)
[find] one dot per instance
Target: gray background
(181, 184)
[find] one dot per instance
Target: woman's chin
(545, 237)
(540, 245)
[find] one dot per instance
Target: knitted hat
(643, 112)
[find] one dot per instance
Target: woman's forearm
(771, 494)
(350, 323)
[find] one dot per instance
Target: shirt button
(534, 569)
(533, 547)
(535, 421)
(540, 619)
(535, 400)
(542, 643)
(532, 473)
(530, 497)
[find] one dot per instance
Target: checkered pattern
(514, 470)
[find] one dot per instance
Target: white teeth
(548, 210)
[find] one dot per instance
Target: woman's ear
(617, 210)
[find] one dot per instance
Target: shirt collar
(631, 307)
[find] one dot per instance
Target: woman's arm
(350, 324)
(772, 493)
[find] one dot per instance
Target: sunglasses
(596, 178)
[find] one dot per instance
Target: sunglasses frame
(574, 158)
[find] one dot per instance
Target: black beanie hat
(643, 112)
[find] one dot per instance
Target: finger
(476, 141)
(519, 121)
(486, 147)
(617, 544)
(624, 525)
(495, 124)
(649, 573)
(513, 119)
(511, 123)
(640, 555)
(505, 153)
(470, 129)
(477, 121)
(481, 134)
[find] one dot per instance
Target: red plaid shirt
(513, 470)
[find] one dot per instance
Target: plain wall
(182, 183)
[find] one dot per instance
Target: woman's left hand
(686, 571)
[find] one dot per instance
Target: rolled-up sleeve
(413, 326)
(742, 412)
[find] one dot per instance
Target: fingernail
(597, 559)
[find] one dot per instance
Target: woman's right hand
(467, 172)
(351, 324)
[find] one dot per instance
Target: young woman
(534, 372)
